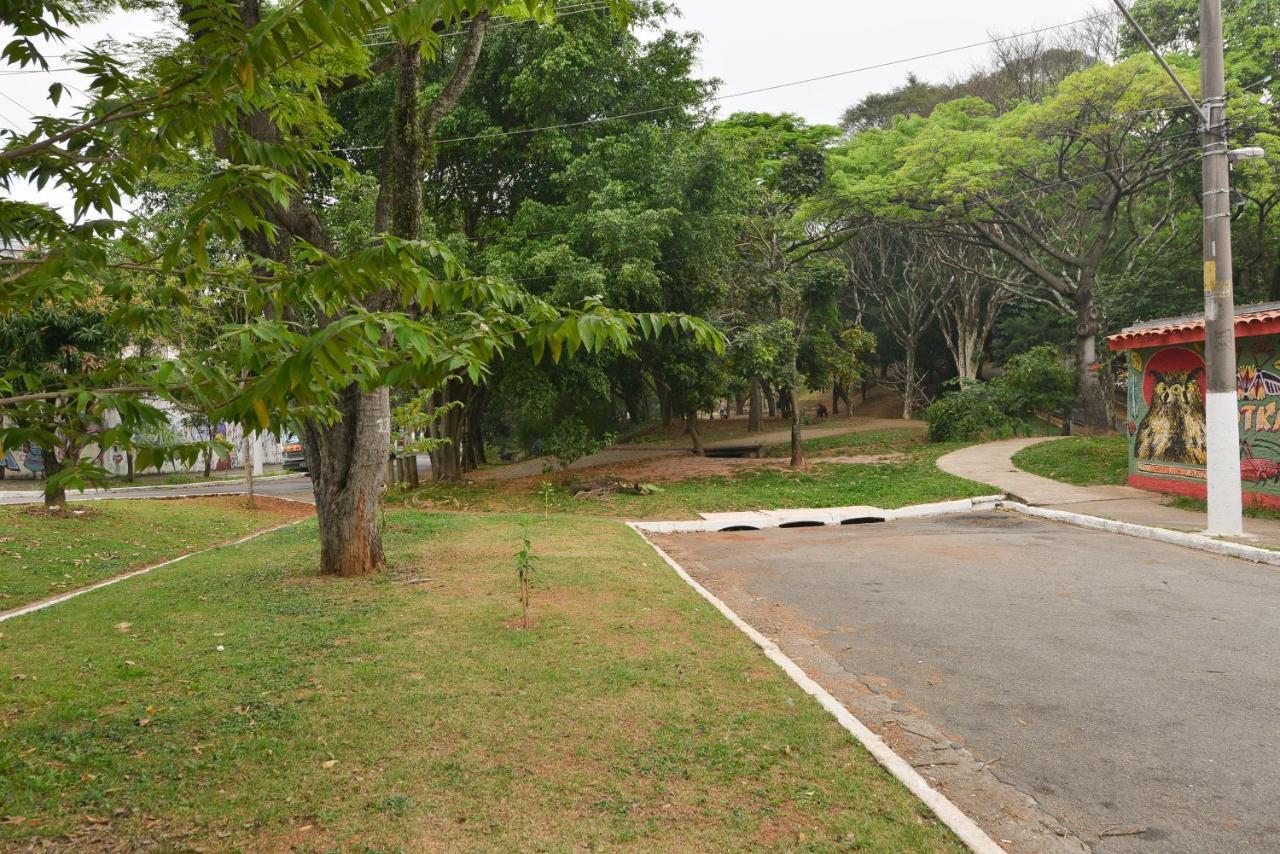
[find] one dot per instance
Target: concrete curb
(947, 812)
(63, 597)
(758, 520)
(32, 496)
(1200, 542)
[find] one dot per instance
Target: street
(1126, 688)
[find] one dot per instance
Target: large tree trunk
(771, 399)
(52, 465)
(797, 444)
(1093, 400)
(755, 418)
(348, 465)
(473, 444)
(446, 459)
(909, 383)
(691, 419)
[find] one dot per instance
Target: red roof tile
(1184, 331)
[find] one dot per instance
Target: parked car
(295, 457)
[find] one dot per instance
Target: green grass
(912, 479)
(43, 555)
(251, 705)
(1081, 460)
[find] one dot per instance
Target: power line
(18, 104)
(1055, 161)
(859, 228)
(773, 88)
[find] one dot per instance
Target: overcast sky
(748, 44)
(751, 44)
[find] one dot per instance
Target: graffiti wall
(1167, 423)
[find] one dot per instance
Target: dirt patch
(669, 469)
(62, 512)
(262, 504)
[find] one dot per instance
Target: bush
(1032, 383)
(571, 440)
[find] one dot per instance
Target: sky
(747, 44)
(750, 44)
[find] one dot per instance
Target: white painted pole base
(1225, 502)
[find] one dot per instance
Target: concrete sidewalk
(993, 463)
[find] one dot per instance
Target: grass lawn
(250, 705)
(913, 478)
(43, 555)
(1081, 460)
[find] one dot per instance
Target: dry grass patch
(379, 715)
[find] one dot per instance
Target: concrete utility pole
(1222, 426)
(1222, 423)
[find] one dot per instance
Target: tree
(326, 331)
(1050, 185)
(781, 275)
(904, 280)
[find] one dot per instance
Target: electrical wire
(860, 228)
(772, 88)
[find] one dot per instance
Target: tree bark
(691, 419)
(797, 443)
(52, 465)
(446, 460)
(909, 384)
(771, 399)
(1092, 397)
(755, 418)
(348, 465)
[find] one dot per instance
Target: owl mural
(1173, 430)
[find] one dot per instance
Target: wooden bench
(754, 451)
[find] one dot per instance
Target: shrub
(975, 411)
(1032, 383)
(571, 440)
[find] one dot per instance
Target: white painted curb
(32, 496)
(56, 600)
(717, 522)
(960, 824)
(1199, 542)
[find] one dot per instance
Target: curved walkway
(993, 463)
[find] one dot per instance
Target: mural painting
(1167, 424)
(1167, 392)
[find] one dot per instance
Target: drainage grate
(862, 520)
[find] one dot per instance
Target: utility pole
(1221, 421)
(1222, 424)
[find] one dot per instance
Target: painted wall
(1166, 418)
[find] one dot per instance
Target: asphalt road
(1132, 689)
(296, 487)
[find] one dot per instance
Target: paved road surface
(993, 463)
(296, 487)
(1131, 688)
